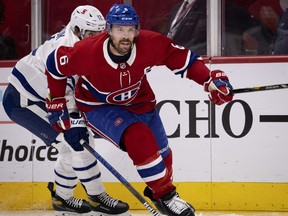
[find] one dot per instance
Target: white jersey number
(63, 60)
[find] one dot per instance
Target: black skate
(71, 206)
(173, 205)
(148, 193)
(103, 205)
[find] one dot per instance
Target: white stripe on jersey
(155, 177)
(150, 166)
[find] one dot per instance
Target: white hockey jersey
(28, 75)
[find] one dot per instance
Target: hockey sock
(142, 148)
(87, 170)
(65, 177)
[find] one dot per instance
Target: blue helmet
(120, 14)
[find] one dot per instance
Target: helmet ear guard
(120, 14)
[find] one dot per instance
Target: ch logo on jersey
(124, 96)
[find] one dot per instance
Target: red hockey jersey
(103, 81)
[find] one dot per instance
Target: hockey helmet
(120, 14)
(87, 17)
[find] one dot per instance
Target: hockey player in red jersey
(117, 101)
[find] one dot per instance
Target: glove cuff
(77, 120)
(56, 104)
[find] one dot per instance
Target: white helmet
(87, 17)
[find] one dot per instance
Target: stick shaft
(260, 88)
(120, 178)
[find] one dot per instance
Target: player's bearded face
(122, 38)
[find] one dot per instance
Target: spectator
(187, 25)
(244, 32)
(258, 37)
(280, 40)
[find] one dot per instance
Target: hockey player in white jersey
(24, 103)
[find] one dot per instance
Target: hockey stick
(120, 178)
(260, 88)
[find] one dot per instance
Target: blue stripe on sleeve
(193, 58)
(51, 65)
